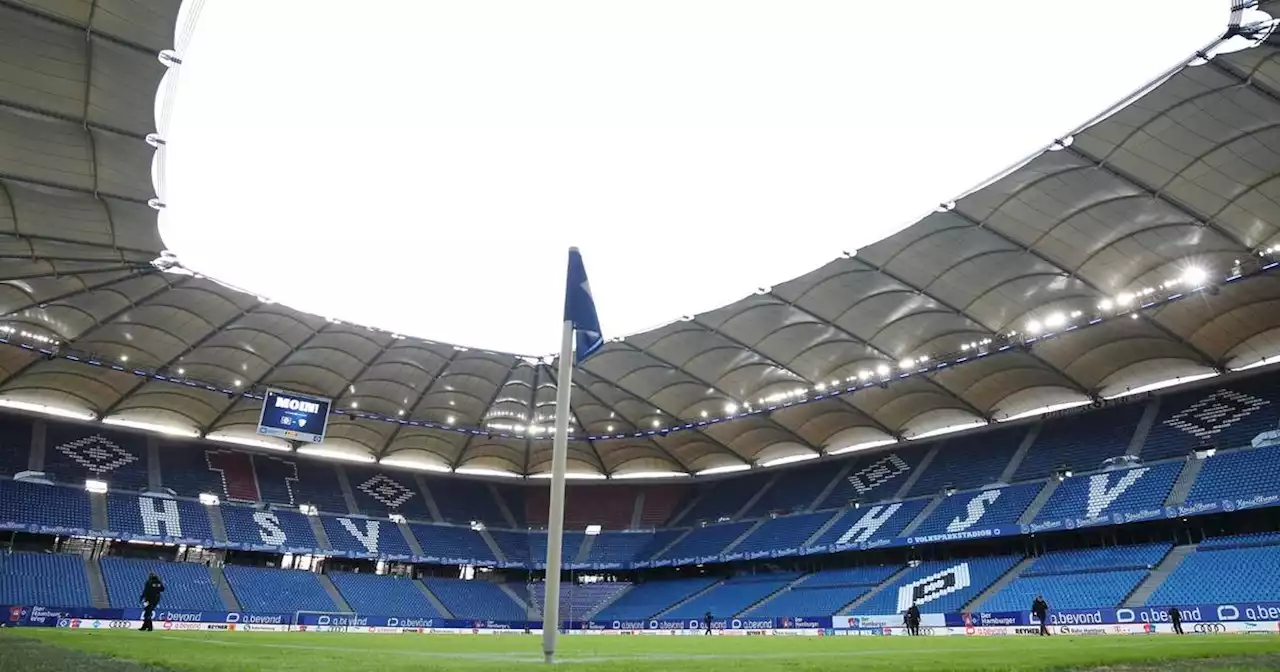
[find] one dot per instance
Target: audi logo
(1209, 628)
(120, 625)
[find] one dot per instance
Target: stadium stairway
(584, 550)
(841, 474)
(923, 516)
(680, 537)
(531, 612)
(334, 593)
(751, 501)
(770, 597)
(428, 499)
(414, 546)
(999, 584)
(1020, 454)
(97, 584)
(435, 601)
(217, 525)
(689, 598)
(907, 485)
(224, 589)
(637, 510)
(684, 511)
(348, 495)
(891, 580)
(322, 537)
(98, 511)
(503, 509)
(1143, 429)
(734, 544)
(1182, 487)
(493, 545)
(1148, 586)
(813, 538)
(605, 604)
(1033, 509)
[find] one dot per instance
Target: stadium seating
(383, 595)
(1080, 579)
(610, 506)
(993, 507)
(462, 501)
(649, 599)
(15, 445)
(795, 490)
(1090, 496)
(783, 533)
(514, 545)
(282, 528)
(733, 596)
(661, 503)
(1241, 541)
(1215, 574)
(1079, 444)
(1239, 476)
(379, 492)
(723, 499)
(44, 579)
(876, 477)
(188, 471)
(569, 547)
(476, 599)
(186, 585)
(296, 480)
(277, 590)
(870, 523)
(74, 453)
(577, 600)
(447, 541)
(623, 547)
(140, 515)
(972, 461)
(1227, 417)
(824, 593)
(705, 541)
(365, 536)
(1078, 561)
(51, 506)
(960, 581)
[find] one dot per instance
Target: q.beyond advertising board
(293, 416)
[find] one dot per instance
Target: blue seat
(1004, 508)
(51, 506)
(651, 598)
(824, 593)
(43, 579)
(1219, 575)
(733, 596)
(186, 585)
(1239, 476)
(247, 525)
(278, 591)
(476, 599)
(383, 595)
(1080, 443)
(705, 541)
(1086, 497)
(938, 586)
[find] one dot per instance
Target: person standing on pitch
(706, 622)
(1175, 617)
(1040, 609)
(150, 599)
(913, 620)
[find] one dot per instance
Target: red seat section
(661, 503)
(609, 506)
(238, 480)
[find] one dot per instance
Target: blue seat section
(794, 491)
(972, 461)
(15, 444)
(475, 599)
(577, 600)
(954, 515)
(652, 598)
(379, 492)
(276, 591)
(169, 518)
(1093, 495)
(1241, 541)
(938, 586)
(1098, 589)
(825, 593)
(784, 532)
(372, 537)
(292, 481)
(383, 595)
(705, 541)
(1142, 556)
(514, 545)
(43, 579)
(184, 469)
(74, 453)
(244, 527)
(462, 501)
(862, 518)
(1223, 575)
(1081, 443)
(447, 541)
(568, 548)
(723, 499)
(1240, 475)
(624, 547)
(186, 585)
(52, 506)
(733, 596)
(1228, 417)
(876, 477)
(514, 498)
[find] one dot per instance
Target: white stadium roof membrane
(1139, 249)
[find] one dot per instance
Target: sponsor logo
(217, 626)
(1209, 628)
(120, 625)
(386, 491)
(1215, 412)
(97, 454)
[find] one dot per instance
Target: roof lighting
(1194, 276)
(656, 424)
(1124, 299)
(171, 430)
(308, 509)
(1034, 327)
(414, 464)
(906, 364)
(355, 404)
(864, 374)
(209, 499)
(648, 474)
(608, 428)
(238, 382)
(572, 476)
(451, 419)
(400, 412)
(723, 470)
(861, 446)
(777, 462)
(703, 413)
(317, 451)
(45, 409)
(481, 471)
(95, 486)
(729, 408)
(477, 526)
(124, 358)
(883, 369)
(1105, 304)
(182, 372)
(252, 442)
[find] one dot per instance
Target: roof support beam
(88, 30)
(426, 389)
(578, 421)
(497, 392)
(657, 446)
(249, 385)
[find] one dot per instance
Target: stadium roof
(1135, 250)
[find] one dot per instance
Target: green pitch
(46, 650)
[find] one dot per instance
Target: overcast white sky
(423, 166)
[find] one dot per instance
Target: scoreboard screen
(293, 416)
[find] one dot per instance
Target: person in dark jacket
(150, 599)
(706, 622)
(913, 620)
(1175, 617)
(1040, 609)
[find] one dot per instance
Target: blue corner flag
(580, 309)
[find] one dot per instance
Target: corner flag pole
(580, 321)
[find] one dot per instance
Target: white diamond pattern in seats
(937, 585)
(878, 473)
(97, 454)
(1216, 412)
(386, 491)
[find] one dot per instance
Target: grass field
(46, 650)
